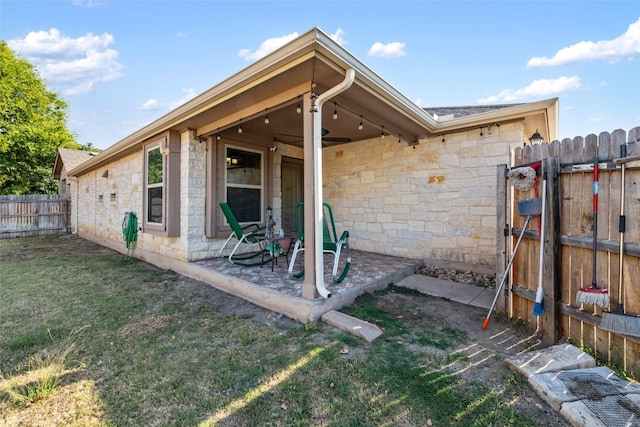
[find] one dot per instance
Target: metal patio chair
(247, 235)
(330, 243)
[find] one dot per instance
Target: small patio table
(276, 247)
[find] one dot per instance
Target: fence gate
(568, 241)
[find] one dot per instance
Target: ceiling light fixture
(360, 126)
(382, 133)
(335, 111)
(240, 127)
(299, 107)
(266, 117)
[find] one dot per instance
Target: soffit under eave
(364, 97)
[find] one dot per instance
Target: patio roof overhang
(275, 84)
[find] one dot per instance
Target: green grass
(153, 348)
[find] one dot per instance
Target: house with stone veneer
(67, 159)
(309, 122)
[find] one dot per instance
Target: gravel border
(466, 277)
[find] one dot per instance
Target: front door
(292, 192)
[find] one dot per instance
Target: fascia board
(548, 107)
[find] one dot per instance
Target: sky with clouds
(120, 64)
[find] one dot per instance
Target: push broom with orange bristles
(594, 295)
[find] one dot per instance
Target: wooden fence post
(501, 223)
(550, 321)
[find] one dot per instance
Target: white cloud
(153, 104)
(87, 3)
(74, 64)
(624, 46)
(182, 34)
(338, 37)
(266, 47)
(537, 88)
(389, 50)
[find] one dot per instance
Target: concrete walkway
(476, 296)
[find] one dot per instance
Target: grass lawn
(138, 346)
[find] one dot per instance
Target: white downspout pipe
(317, 176)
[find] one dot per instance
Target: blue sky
(122, 64)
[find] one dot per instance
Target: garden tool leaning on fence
(538, 306)
(523, 178)
(594, 295)
(618, 321)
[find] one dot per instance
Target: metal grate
(602, 398)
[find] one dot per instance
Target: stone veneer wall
(121, 192)
(437, 201)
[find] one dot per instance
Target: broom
(537, 308)
(594, 295)
(618, 321)
(529, 207)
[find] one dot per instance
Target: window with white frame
(161, 193)
(244, 183)
(155, 185)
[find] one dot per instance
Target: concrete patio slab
(559, 357)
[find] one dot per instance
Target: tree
(32, 127)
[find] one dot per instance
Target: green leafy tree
(32, 128)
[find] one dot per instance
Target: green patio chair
(247, 235)
(330, 242)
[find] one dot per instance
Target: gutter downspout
(317, 176)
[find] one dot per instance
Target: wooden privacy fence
(34, 215)
(568, 241)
